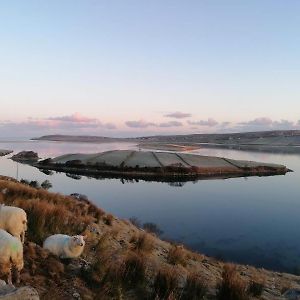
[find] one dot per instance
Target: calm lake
(253, 220)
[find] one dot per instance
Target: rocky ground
(10, 292)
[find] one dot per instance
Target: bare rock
(26, 157)
(10, 292)
(292, 294)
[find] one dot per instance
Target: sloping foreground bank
(121, 261)
(157, 165)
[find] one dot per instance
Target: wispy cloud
(258, 122)
(170, 124)
(145, 124)
(264, 123)
(139, 124)
(80, 121)
(225, 124)
(178, 115)
(209, 122)
(267, 122)
(75, 118)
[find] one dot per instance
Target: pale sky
(138, 67)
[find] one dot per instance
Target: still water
(253, 220)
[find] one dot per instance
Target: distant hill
(77, 138)
(278, 137)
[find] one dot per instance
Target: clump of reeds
(108, 219)
(166, 283)
(232, 287)
(256, 286)
(177, 255)
(195, 287)
(133, 268)
(142, 242)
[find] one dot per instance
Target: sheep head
(77, 241)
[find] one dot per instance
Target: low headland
(161, 166)
(168, 147)
(5, 152)
(281, 141)
(26, 157)
(123, 261)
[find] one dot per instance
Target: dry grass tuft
(232, 286)
(15, 190)
(166, 284)
(177, 255)
(108, 219)
(256, 286)
(195, 287)
(142, 242)
(133, 269)
(47, 218)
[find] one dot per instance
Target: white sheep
(65, 246)
(11, 256)
(13, 220)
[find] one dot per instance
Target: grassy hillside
(121, 261)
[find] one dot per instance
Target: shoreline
(257, 148)
(159, 177)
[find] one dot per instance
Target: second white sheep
(65, 246)
(11, 255)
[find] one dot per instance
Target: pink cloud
(144, 124)
(75, 118)
(139, 124)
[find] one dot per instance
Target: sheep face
(78, 241)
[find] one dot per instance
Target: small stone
(76, 295)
